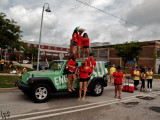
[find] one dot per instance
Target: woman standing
(143, 77)
(75, 41)
(72, 68)
(85, 45)
(118, 75)
(149, 74)
(83, 74)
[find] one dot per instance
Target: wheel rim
(98, 89)
(41, 93)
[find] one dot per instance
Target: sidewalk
(7, 74)
(8, 89)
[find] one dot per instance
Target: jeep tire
(97, 88)
(40, 93)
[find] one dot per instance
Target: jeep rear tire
(40, 93)
(97, 88)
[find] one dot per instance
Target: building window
(95, 53)
(158, 53)
(28, 44)
(103, 53)
(55, 48)
(49, 47)
(61, 48)
(42, 46)
(35, 45)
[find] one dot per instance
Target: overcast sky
(59, 24)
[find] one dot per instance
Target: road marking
(86, 105)
(77, 110)
(14, 116)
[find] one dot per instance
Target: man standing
(112, 70)
(136, 77)
(91, 63)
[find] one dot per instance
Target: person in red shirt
(83, 73)
(91, 63)
(118, 75)
(132, 73)
(75, 41)
(85, 45)
(80, 41)
(72, 68)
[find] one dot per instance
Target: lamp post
(47, 10)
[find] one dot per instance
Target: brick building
(49, 51)
(149, 55)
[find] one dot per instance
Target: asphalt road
(63, 106)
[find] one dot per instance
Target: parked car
(42, 65)
(40, 84)
(25, 62)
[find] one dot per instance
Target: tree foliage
(129, 51)
(10, 32)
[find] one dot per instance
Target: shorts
(136, 82)
(83, 79)
(74, 43)
(71, 72)
(117, 84)
(85, 46)
(89, 78)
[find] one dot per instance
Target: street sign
(132, 62)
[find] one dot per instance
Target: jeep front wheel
(40, 93)
(97, 88)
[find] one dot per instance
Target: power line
(116, 16)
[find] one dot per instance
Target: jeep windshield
(56, 65)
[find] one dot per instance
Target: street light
(47, 10)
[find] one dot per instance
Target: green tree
(10, 33)
(30, 52)
(129, 51)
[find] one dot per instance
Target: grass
(8, 81)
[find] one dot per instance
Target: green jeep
(40, 84)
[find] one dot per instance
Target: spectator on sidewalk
(132, 73)
(136, 77)
(2, 63)
(24, 70)
(112, 70)
(143, 77)
(149, 75)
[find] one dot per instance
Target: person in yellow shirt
(143, 77)
(112, 70)
(149, 75)
(24, 70)
(2, 63)
(136, 77)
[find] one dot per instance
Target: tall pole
(40, 40)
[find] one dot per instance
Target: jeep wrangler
(40, 84)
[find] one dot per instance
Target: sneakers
(149, 90)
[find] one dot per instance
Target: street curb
(8, 89)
